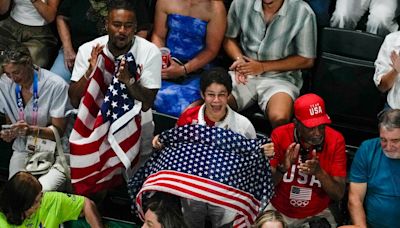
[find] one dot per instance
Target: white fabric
(25, 13)
(381, 19)
(260, 90)
(233, 121)
(146, 54)
(53, 102)
(383, 66)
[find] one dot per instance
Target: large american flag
(106, 136)
(208, 164)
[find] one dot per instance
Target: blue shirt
(382, 175)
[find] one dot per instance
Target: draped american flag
(208, 164)
(106, 136)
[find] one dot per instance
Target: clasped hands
(309, 167)
(245, 67)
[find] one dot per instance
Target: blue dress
(186, 38)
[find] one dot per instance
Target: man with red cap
(309, 165)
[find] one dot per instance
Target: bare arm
(77, 89)
(47, 10)
(232, 48)
(160, 24)
(4, 6)
(215, 34)
(91, 214)
(389, 78)
(357, 193)
(65, 36)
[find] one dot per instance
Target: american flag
(106, 136)
(208, 164)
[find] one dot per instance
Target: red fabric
(191, 116)
(332, 159)
(102, 149)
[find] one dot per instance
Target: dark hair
(390, 119)
(167, 207)
(18, 196)
(129, 5)
(17, 56)
(215, 75)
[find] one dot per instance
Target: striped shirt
(293, 31)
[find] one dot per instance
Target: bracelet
(239, 57)
(184, 68)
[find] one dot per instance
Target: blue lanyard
(20, 102)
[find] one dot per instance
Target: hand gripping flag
(106, 136)
(208, 164)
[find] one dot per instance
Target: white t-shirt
(146, 54)
(383, 66)
(24, 12)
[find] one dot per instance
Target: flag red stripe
(208, 181)
(208, 189)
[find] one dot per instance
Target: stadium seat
(343, 77)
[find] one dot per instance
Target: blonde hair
(269, 216)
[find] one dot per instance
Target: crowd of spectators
(267, 45)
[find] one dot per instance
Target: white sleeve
(81, 64)
(151, 75)
(383, 62)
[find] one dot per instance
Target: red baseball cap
(309, 109)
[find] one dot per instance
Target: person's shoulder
(333, 133)
(52, 78)
(393, 36)
(144, 44)
(188, 116)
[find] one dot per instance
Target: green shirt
(55, 209)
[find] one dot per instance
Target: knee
(278, 119)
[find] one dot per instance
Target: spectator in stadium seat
(23, 204)
(270, 219)
(309, 166)
(81, 21)
(381, 19)
(121, 39)
(32, 99)
(387, 69)
(193, 31)
(216, 86)
(270, 41)
(374, 177)
(163, 211)
(28, 25)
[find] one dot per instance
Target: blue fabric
(186, 36)
(185, 39)
(59, 67)
(382, 175)
(173, 98)
(321, 10)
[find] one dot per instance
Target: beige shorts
(260, 90)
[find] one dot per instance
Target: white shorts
(260, 89)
